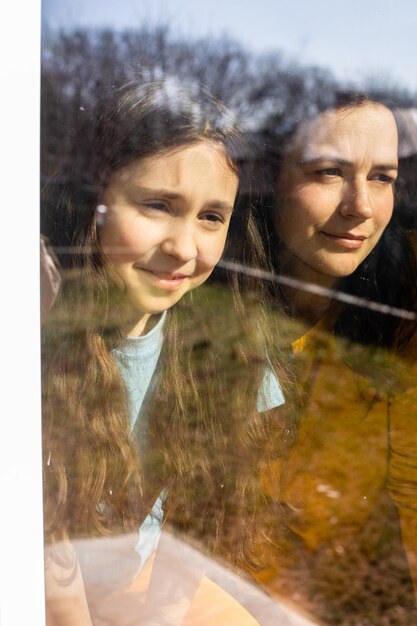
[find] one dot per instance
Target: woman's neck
(307, 307)
(302, 303)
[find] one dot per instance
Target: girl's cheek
(214, 253)
(136, 236)
(114, 276)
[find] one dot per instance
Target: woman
(329, 237)
(137, 428)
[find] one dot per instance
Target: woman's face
(165, 227)
(335, 192)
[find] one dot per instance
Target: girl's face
(335, 191)
(167, 218)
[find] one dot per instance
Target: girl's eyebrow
(343, 162)
(221, 206)
(162, 193)
(170, 195)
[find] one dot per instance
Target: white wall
(21, 553)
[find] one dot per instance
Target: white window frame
(21, 537)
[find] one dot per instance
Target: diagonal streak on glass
(334, 294)
(339, 296)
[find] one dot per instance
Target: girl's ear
(100, 215)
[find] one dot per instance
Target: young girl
(328, 232)
(129, 429)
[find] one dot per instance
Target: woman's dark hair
(387, 276)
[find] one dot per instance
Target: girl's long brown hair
(208, 438)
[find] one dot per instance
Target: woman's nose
(357, 201)
(180, 242)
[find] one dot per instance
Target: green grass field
(340, 556)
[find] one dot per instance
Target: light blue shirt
(137, 359)
(270, 394)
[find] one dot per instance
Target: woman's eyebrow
(386, 167)
(345, 163)
(327, 158)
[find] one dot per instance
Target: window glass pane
(228, 279)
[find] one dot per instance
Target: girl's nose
(180, 242)
(357, 201)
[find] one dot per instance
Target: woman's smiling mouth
(349, 241)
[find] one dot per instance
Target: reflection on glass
(221, 455)
(349, 482)
(142, 421)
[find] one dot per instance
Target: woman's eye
(384, 178)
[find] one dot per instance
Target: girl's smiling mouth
(167, 280)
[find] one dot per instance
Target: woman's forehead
(344, 133)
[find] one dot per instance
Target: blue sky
(357, 39)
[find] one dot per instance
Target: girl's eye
(328, 171)
(213, 219)
(156, 205)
